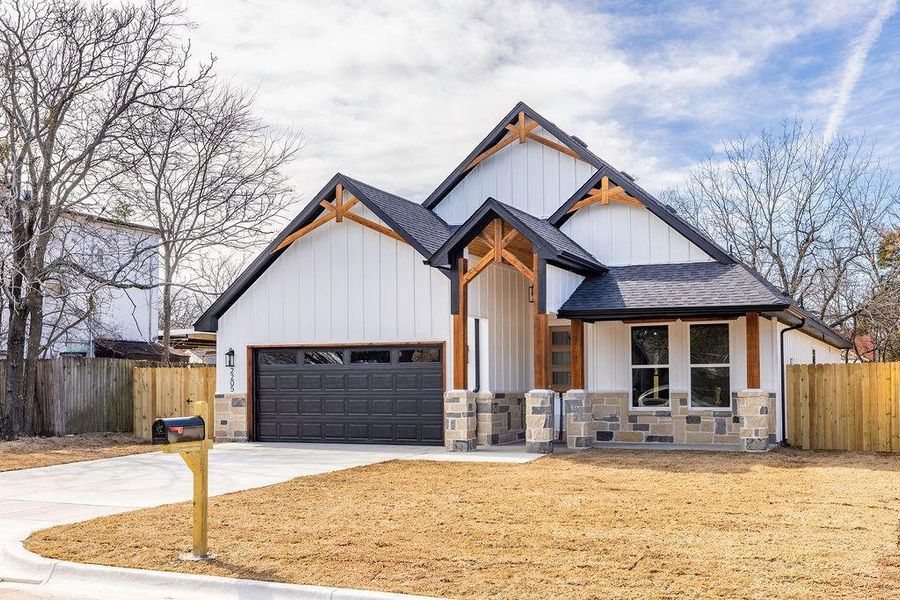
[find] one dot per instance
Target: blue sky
(397, 93)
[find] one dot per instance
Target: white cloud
(397, 93)
(856, 62)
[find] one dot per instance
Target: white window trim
(691, 365)
(632, 367)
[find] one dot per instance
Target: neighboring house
(84, 317)
(534, 265)
(198, 346)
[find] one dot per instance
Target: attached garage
(350, 394)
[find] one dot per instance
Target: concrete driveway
(34, 499)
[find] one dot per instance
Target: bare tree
(208, 174)
(70, 75)
(199, 283)
(805, 211)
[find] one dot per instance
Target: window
(650, 366)
(278, 357)
(710, 366)
(370, 356)
(323, 357)
(560, 359)
(420, 355)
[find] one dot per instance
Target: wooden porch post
(753, 350)
(460, 331)
(577, 354)
(541, 359)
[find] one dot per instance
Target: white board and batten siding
(560, 285)
(531, 177)
(498, 297)
(341, 283)
(620, 234)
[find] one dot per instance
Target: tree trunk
(33, 348)
(11, 419)
(166, 316)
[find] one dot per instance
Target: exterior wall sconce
(531, 294)
(229, 362)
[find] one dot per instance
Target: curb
(18, 565)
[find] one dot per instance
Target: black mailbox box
(175, 430)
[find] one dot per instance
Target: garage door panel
(358, 382)
(358, 406)
(311, 382)
(433, 381)
(267, 382)
(285, 406)
(382, 432)
(334, 407)
(358, 431)
(381, 381)
(433, 407)
(380, 397)
(333, 382)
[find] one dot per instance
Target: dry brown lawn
(29, 452)
(604, 524)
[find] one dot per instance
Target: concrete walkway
(34, 499)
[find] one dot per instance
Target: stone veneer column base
(500, 417)
(755, 419)
(230, 414)
(579, 417)
(539, 421)
(459, 421)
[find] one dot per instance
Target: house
(535, 271)
(85, 317)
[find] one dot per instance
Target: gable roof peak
(496, 137)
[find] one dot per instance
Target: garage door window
(420, 355)
(370, 356)
(323, 357)
(278, 357)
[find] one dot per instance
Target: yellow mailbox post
(195, 454)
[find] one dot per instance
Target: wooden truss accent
(521, 132)
(338, 210)
(498, 244)
(604, 196)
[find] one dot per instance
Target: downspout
(477, 357)
(783, 399)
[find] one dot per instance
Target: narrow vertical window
(650, 366)
(710, 366)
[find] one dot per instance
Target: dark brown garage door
(376, 395)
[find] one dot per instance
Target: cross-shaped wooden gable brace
(521, 132)
(338, 209)
(604, 196)
(498, 242)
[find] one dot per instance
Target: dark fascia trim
(814, 328)
(667, 313)
(495, 136)
(653, 205)
(209, 320)
(491, 209)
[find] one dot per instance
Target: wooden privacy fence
(169, 391)
(79, 395)
(844, 406)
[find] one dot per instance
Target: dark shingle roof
(548, 241)
(553, 236)
(424, 226)
(672, 289)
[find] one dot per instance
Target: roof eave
(665, 313)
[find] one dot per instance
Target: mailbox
(175, 430)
